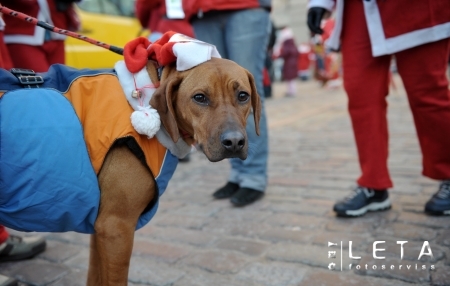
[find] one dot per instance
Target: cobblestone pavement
(282, 239)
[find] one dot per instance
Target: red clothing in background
(366, 81)
(30, 46)
(5, 60)
(152, 15)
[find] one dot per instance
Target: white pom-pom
(146, 121)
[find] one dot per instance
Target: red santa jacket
(395, 25)
(153, 16)
(5, 60)
(21, 32)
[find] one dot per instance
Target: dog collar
(185, 134)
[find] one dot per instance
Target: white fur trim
(43, 5)
(386, 46)
(36, 39)
(146, 121)
(333, 42)
(191, 52)
(326, 4)
(380, 44)
(38, 36)
(180, 148)
(127, 79)
(174, 9)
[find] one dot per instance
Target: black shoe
(245, 196)
(361, 201)
(226, 191)
(18, 248)
(439, 204)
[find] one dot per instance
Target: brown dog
(209, 105)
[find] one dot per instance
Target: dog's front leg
(127, 188)
(111, 248)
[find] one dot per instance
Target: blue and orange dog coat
(53, 141)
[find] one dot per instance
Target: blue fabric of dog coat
(48, 185)
(47, 180)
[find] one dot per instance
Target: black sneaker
(361, 201)
(439, 204)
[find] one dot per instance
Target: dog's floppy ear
(162, 101)
(256, 102)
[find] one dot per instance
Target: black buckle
(30, 79)
(27, 77)
(16, 71)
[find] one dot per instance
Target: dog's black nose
(233, 141)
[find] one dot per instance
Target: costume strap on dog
(49, 167)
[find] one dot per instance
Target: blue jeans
(242, 36)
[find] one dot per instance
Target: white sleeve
(327, 4)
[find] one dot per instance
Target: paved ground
(283, 239)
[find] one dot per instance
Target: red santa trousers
(366, 81)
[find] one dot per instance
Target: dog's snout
(233, 141)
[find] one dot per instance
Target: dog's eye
(200, 98)
(243, 96)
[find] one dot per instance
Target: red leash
(51, 28)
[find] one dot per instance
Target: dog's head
(209, 104)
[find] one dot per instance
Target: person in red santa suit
(158, 18)
(32, 47)
(369, 33)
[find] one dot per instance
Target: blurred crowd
(305, 61)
